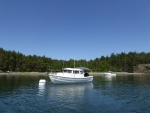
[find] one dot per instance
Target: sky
(80, 29)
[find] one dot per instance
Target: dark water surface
(120, 94)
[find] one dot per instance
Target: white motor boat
(109, 74)
(71, 75)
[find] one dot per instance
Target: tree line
(122, 62)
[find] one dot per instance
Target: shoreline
(45, 73)
(25, 73)
(118, 73)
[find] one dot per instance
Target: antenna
(74, 61)
(63, 63)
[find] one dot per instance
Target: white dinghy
(109, 74)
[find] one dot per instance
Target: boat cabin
(73, 70)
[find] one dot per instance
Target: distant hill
(142, 68)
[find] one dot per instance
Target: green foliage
(15, 61)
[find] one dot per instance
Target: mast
(74, 61)
(63, 63)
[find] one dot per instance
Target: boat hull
(60, 79)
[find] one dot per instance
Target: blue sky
(86, 29)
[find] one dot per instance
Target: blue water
(120, 94)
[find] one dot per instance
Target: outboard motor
(86, 74)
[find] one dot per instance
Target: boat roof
(76, 69)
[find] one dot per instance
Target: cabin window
(65, 71)
(76, 72)
(81, 72)
(69, 71)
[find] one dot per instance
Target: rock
(142, 68)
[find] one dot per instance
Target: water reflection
(73, 89)
(109, 78)
(10, 83)
(41, 90)
(69, 92)
(142, 79)
(120, 94)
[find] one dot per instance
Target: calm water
(120, 94)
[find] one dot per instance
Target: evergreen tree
(15, 61)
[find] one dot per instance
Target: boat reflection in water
(65, 97)
(70, 92)
(70, 88)
(109, 78)
(41, 90)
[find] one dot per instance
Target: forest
(121, 62)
